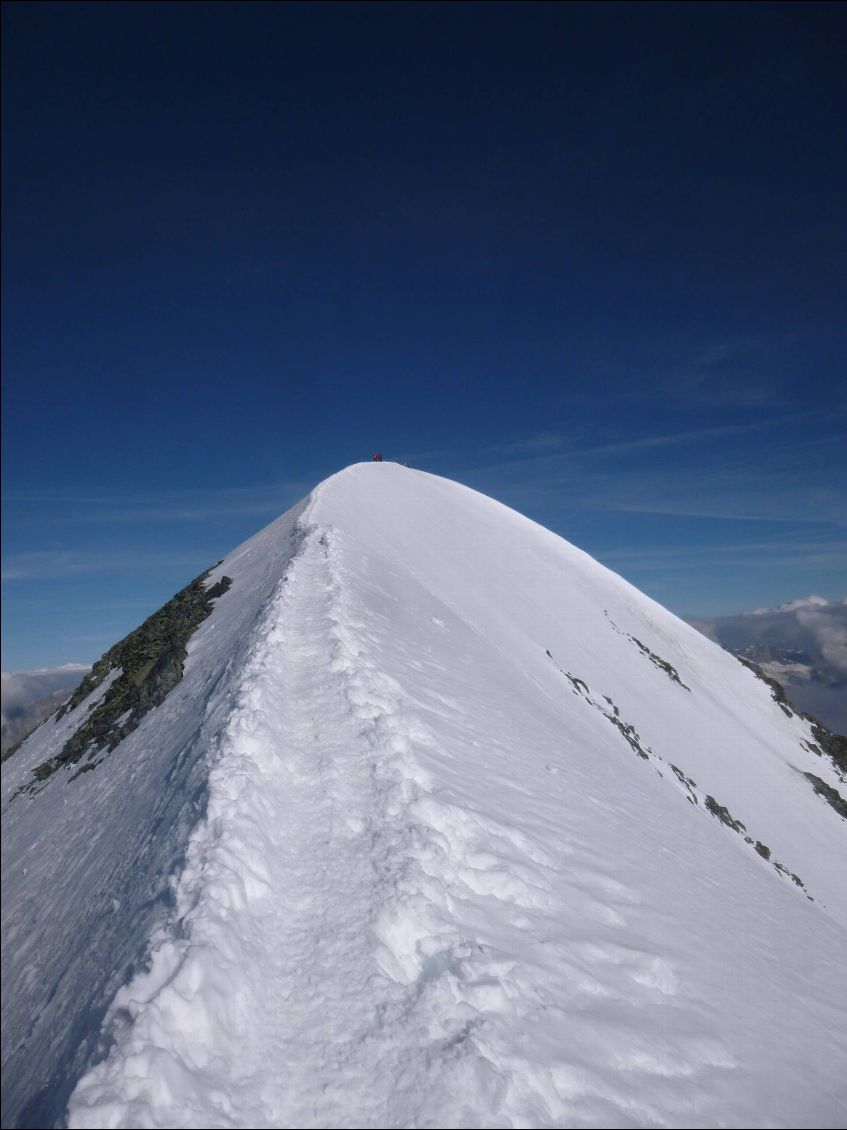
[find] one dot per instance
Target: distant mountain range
(801, 644)
(28, 697)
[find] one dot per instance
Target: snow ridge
(86, 862)
(302, 779)
(441, 878)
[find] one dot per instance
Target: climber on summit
(376, 457)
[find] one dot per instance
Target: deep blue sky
(586, 258)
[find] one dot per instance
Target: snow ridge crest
(313, 789)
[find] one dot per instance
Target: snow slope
(87, 865)
(407, 849)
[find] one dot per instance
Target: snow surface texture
(431, 802)
(88, 865)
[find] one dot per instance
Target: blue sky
(586, 258)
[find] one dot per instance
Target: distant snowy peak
(428, 819)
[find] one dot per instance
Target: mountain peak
(442, 823)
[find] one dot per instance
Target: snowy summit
(411, 814)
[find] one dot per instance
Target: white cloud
(19, 688)
(830, 634)
(804, 602)
(792, 606)
(811, 623)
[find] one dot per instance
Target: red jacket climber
(376, 457)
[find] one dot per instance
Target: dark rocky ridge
(719, 811)
(151, 661)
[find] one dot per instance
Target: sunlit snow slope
(446, 825)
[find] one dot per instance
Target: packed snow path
(276, 979)
(283, 1009)
(439, 882)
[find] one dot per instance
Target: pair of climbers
(377, 458)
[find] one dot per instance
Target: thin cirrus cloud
(222, 513)
(550, 451)
(719, 473)
(175, 507)
(113, 553)
(556, 503)
(825, 547)
(48, 564)
(742, 372)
